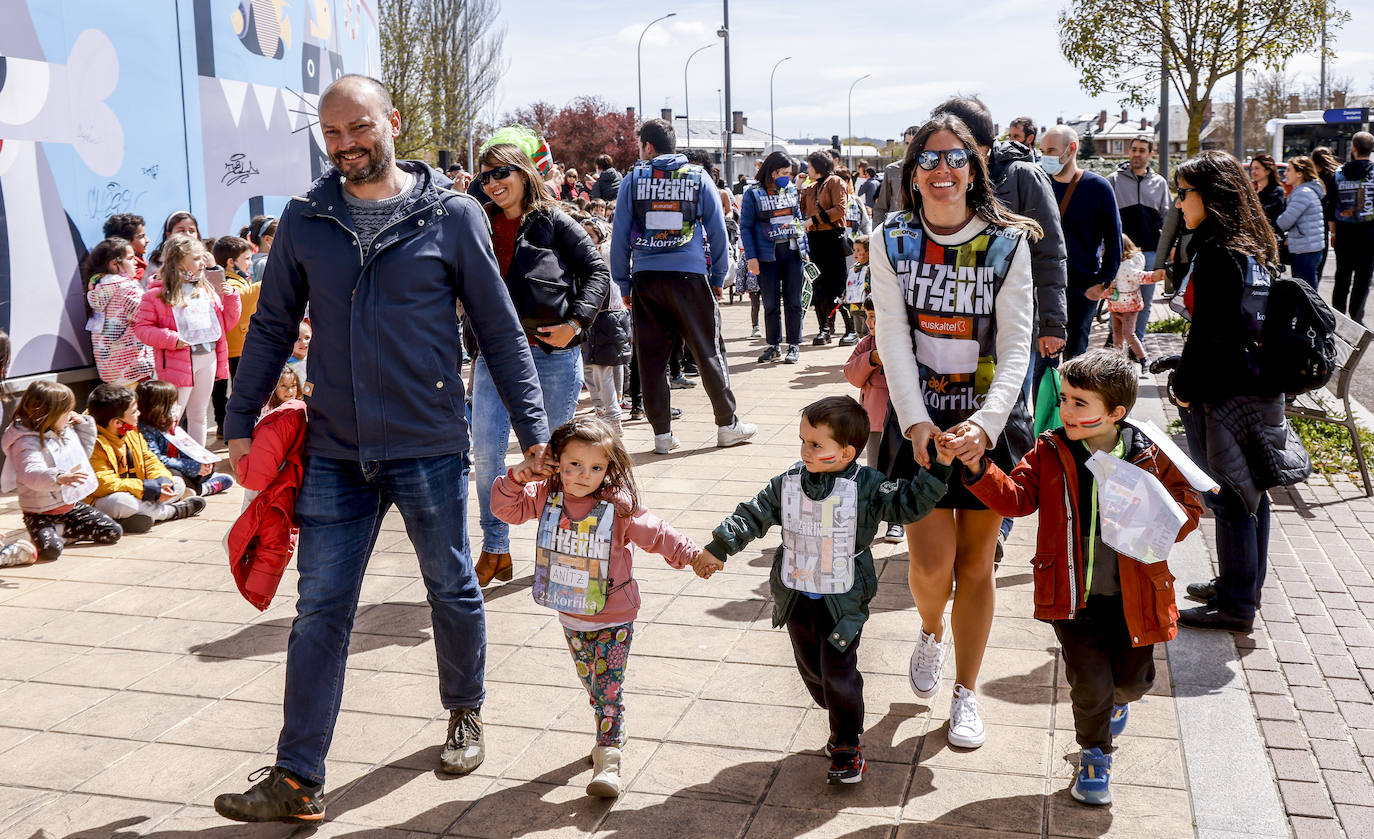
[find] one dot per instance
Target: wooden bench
(1352, 339)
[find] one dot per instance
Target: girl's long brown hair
(981, 199)
(619, 480)
(43, 404)
(178, 247)
(157, 404)
(1233, 207)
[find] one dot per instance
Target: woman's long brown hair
(1233, 207)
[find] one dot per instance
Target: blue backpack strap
(1002, 249)
(896, 244)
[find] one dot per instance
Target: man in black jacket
(607, 186)
(382, 251)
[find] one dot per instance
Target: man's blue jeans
(560, 378)
(340, 508)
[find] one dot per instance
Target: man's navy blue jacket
(385, 357)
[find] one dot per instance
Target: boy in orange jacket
(1108, 609)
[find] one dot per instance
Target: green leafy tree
(1116, 44)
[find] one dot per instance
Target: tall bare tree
(441, 59)
(1116, 44)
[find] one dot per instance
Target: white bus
(1299, 133)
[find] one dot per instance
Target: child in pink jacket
(589, 520)
(864, 370)
(185, 318)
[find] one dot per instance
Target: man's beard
(379, 157)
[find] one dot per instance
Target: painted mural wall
(149, 107)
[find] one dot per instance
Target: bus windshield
(1302, 138)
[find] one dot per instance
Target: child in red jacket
(1108, 609)
(589, 522)
(262, 540)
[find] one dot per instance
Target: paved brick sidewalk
(137, 684)
(1309, 664)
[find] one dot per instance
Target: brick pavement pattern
(137, 684)
(1309, 664)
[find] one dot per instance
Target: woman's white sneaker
(965, 723)
(927, 660)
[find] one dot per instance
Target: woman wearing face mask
(771, 229)
(1234, 420)
(558, 282)
(952, 293)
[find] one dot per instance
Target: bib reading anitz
(572, 558)
(818, 536)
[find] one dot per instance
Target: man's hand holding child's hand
(706, 564)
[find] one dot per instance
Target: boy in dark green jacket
(830, 508)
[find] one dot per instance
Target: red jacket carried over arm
(263, 538)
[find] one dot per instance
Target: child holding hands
(589, 521)
(830, 508)
(1108, 609)
(1124, 300)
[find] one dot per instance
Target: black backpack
(1297, 350)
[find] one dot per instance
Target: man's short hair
(974, 114)
(603, 161)
(1142, 138)
(1362, 143)
(1108, 373)
(659, 134)
(124, 225)
(454, 168)
(1027, 126)
(368, 82)
(911, 131)
(846, 419)
(107, 402)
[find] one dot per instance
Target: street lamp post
(728, 151)
(851, 119)
(639, 63)
(771, 141)
(686, 100)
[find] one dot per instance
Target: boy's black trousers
(1102, 667)
(830, 675)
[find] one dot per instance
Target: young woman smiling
(952, 293)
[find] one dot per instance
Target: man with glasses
(382, 252)
(889, 198)
(1092, 232)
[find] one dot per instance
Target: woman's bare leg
(930, 572)
(975, 592)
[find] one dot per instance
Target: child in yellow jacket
(135, 488)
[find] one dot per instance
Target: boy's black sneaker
(281, 796)
(137, 523)
(187, 507)
(846, 765)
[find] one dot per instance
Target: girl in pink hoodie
(589, 520)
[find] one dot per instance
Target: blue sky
(918, 54)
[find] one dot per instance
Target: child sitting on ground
(589, 522)
(47, 451)
(864, 370)
(1108, 609)
(134, 488)
(157, 411)
(830, 508)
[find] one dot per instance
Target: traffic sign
(1346, 115)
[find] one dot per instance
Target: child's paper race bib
(65, 459)
(1140, 519)
(197, 322)
(818, 537)
(572, 559)
(189, 447)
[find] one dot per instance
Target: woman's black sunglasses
(500, 173)
(1183, 192)
(956, 158)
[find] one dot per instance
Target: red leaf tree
(581, 130)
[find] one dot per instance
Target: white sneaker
(664, 443)
(965, 724)
(735, 433)
(927, 660)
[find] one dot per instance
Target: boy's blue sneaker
(1093, 785)
(1120, 713)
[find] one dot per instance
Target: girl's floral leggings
(601, 656)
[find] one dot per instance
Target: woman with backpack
(1232, 412)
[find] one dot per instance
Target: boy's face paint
(821, 452)
(1084, 413)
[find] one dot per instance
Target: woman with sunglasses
(1234, 420)
(952, 292)
(557, 281)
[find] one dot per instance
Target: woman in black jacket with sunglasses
(558, 282)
